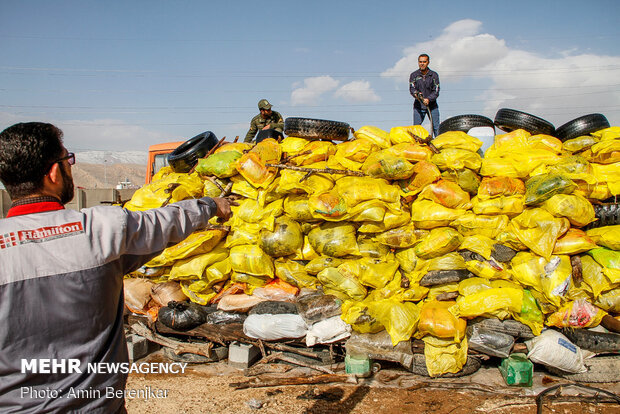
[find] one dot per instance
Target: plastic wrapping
(327, 331)
(553, 349)
(274, 327)
(490, 342)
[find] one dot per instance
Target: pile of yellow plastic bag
(420, 242)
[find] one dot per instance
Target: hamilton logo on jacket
(40, 235)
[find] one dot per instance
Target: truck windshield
(160, 161)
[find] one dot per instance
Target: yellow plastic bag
(221, 165)
(284, 240)
(575, 208)
(542, 187)
(509, 142)
(354, 190)
(471, 224)
(315, 265)
(383, 165)
(199, 242)
(424, 173)
(474, 285)
(457, 139)
(538, 230)
(333, 279)
(607, 133)
(243, 233)
(498, 167)
(487, 269)
(457, 159)
(391, 220)
(251, 260)
(334, 239)
(294, 273)
(579, 144)
(575, 241)
(444, 356)
(407, 259)
(376, 135)
(467, 179)
(195, 266)
(440, 241)
(607, 236)
(293, 145)
(494, 301)
(400, 319)
(399, 237)
(410, 151)
(446, 193)
(427, 214)
(201, 297)
(478, 243)
(369, 272)
(357, 314)
(530, 314)
(314, 151)
(500, 186)
(509, 206)
(240, 147)
(402, 134)
(296, 207)
(576, 314)
(243, 188)
(545, 142)
(605, 152)
(352, 154)
(437, 320)
(609, 301)
(293, 182)
(169, 189)
(593, 277)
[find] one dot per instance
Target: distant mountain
(112, 157)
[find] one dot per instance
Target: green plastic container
(357, 365)
(517, 370)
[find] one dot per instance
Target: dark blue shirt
(427, 84)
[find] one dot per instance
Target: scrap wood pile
(396, 239)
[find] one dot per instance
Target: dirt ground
(205, 388)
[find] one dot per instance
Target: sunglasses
(70, 157)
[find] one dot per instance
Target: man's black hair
(27, 152)
(426, 56)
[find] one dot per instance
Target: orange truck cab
(158, 157)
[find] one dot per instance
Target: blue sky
(121, 75)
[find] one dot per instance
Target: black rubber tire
(186, 155)
(510, 119)
(599, 342)
(584, 125)
(419, 367)
(464, 123)
(608, 214)
(316, 129)
(268, 133)
(600, 369)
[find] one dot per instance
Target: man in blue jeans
(425, 83)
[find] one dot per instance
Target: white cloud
(557, 88)
(357, 91)
(110, 135)
(312, 89)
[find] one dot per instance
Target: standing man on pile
(61, 277)
(424, 86)
(266, 120)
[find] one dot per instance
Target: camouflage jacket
(257, 123)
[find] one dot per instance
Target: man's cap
(264, 104)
